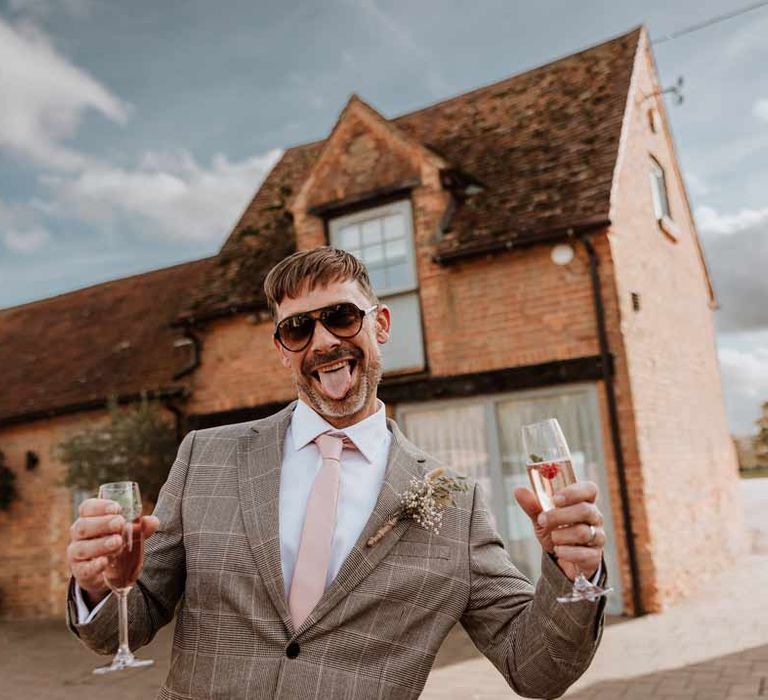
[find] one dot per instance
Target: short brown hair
(308, 269)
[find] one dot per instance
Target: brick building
(534, 240)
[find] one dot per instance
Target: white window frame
(659, 191)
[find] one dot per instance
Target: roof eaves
(498, 244)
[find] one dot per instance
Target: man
(263, 540)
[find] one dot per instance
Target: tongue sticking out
(336, 383)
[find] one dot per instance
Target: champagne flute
(550, 470)
(124, 567)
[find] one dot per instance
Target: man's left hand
(565, 530)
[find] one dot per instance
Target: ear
(383, 324)
(282, 352)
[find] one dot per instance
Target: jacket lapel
(404, 463)
(260, 455)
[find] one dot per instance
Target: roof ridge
(404, 115)
(514, 76)
(80, 290)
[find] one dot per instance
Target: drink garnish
(549, 470)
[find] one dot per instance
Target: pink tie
(319, 522)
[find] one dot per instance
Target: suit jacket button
(293, 649)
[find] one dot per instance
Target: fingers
(579, 535)
(96, 526)
(571, 515)
(586, 558)
(528, 502)
(98, 506)
(576, 493)
(83, 550)
(150, 525)
(89, 573)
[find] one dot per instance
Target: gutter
(613, 417)
(93, 405)
(523, 240)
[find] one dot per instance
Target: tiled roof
(82, 347)
(543, 143)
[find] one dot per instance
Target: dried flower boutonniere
(424, 502)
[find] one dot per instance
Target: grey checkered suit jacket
(376, 630)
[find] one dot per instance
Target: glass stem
(124, 651)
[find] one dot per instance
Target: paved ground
(715, 645)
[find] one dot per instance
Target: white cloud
(745, 382)
(20, 231)
(711, 221)
(44, 97)
(27, 241)
(760, 109)
(169, 195)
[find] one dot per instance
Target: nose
(322, 339)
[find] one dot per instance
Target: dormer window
(382, 237)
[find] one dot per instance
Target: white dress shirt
(362, 473)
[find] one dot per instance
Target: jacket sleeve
(152, 601)
(539, 645)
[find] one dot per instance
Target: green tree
(8, 490)
(138, 444)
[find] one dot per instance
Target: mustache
(340, 353)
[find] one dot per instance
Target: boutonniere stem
(424, 502)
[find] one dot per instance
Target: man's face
(337, 376)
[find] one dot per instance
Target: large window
(382, 238)
(659, 191)
(480, 437)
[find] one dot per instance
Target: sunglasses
(342, 320)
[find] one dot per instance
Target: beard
(368, 375)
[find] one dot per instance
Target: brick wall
(687, 469)
(239, 367)
(35, 531)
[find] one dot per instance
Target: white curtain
(456, 435)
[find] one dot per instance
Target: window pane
(400, 276)
(405, 348)
(371, 231)
(394, 227)
(347, 238)
(377, 277)
(374, 254)
(659, 190)
(395, 250)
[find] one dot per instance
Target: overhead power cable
(709, 22)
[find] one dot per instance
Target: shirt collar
(307, 424)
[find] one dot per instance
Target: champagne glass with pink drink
(550, 469)
(124, 567)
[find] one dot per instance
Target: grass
(756, 473)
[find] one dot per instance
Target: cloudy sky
(132, 135)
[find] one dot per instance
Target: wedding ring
(592, 535)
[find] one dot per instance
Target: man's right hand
(94, 537)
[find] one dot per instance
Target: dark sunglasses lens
(343, 320)
(295, 331)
